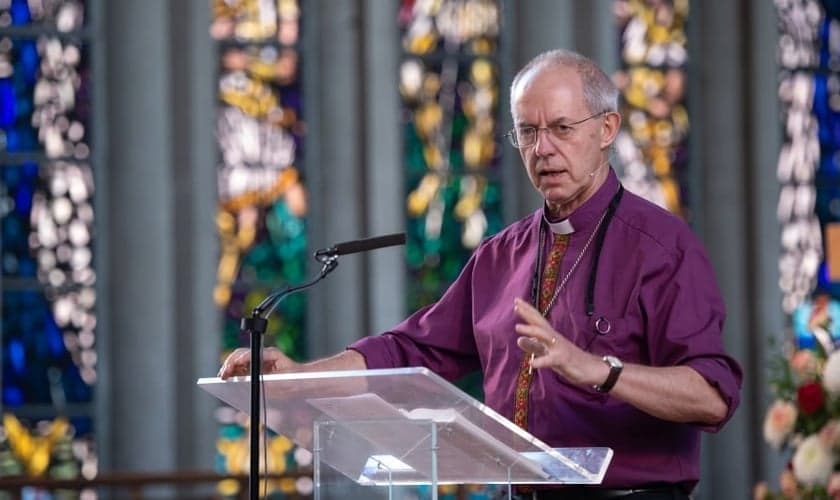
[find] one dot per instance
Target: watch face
(616, 366)
(613, 362)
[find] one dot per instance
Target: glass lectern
(407, 426)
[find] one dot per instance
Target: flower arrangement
(804, 417)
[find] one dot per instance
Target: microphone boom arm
(268, 304)
(255, 326)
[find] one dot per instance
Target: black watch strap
(616, 366)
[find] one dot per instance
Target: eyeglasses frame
(511, 134)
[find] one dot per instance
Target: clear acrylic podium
(407, 426)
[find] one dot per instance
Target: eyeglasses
(525, 137)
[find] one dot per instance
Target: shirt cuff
(375, 356)
(721, 377)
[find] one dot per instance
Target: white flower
(831, 373)
(812, 462)
(779, 421)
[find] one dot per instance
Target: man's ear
(612, 123)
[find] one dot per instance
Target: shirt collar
(586, 215)
(560, 227)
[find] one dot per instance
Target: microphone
(599, 167)
(364, 245)
(256, 325)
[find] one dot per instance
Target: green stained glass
(450, 161)
(449, 87)
(262, 200)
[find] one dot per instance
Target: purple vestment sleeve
(438, 336)
(686, 315)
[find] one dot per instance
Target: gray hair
(599, 92)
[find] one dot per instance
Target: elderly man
(596, 320)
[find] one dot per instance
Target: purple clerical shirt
(654, 285)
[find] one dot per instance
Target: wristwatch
(616, 366)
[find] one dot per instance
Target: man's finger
(528, 313)
(535, 332)
(531, 346)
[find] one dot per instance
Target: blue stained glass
(828, 170)
(29, 60)
(31, 349)
(824, 282)
(12, 230)
(16, 92)
(16, 356)
(62, 76)
(20, 12)
(828, 118)
(824, 52)
(12, 396)
(17, 260)
(23, 200)
(7, 102)
(20, 183)
(20, 140)
(53, 339)
(83, 425)
(64, 15)
(42, 353)
(11, 176)
(26, 267)
(828, 127)
(75, 389)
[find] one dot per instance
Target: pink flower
(804, 364)
(830, 434)
(779, 421)
(787, 483)
(761, 491)
(834, 485)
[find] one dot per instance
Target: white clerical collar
(562, 227)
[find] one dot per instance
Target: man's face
(563, 164)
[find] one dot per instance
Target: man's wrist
(590, 373)
(615, 367)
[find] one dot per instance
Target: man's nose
(543, 146)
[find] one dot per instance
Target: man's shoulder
(655, 223)
(514, 232)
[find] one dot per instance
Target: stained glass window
(48, 280)
(261, 218)
(449, 83)
(651, 148)
(809, 199)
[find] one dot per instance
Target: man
(619, 346)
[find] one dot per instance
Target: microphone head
(364, 245)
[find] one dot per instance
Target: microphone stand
(255, 326)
